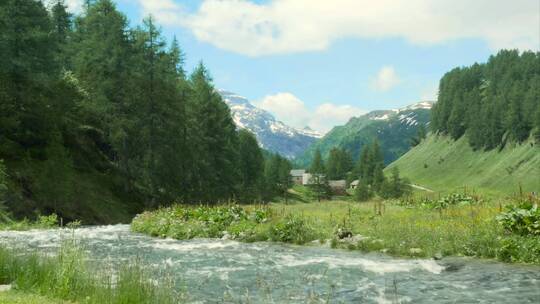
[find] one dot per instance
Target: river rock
(226, 236)
(353, 239)
(343, 233)
(5, 288)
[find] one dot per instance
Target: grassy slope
(442, 164)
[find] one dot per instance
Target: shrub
(292, 229)
(523, 219)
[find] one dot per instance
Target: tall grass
(68, 275)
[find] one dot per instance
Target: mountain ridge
(272, 134)
(393, 128)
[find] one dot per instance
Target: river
(218, 271)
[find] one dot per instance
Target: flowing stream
(217, 271)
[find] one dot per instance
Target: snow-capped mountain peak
(386, 115)
(271, 133)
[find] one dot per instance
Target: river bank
(66, 275)
(400, 229)
(214, 270)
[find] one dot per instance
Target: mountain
(440, 163)
(393, 128)
(273, 135)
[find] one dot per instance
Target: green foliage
(184, 222)
(68, 276)
(339, 163)
(277, 180)
(251, 167)
(395, 187)
(292, 229)
(522, 219)
(493, 102)
(453, 199)
(363, 192)
(96, 115)
(244, 224)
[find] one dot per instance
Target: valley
(127, 176)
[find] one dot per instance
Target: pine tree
(318, 179)
(62, 30)
(251, 167)
(216, 140)
(362, 192)
(284, 173)
(27, 72)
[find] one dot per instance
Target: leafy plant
(523, 219)
(292, 229)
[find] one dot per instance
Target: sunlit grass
(461, 230)
(67, 275)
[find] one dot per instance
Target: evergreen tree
(420, 135)
(27, 73)
(493, 102)
(362, 192)
(62, 30)
(339, 163)
(284, 178)
(318, 179)
(215, 146)
(251, 166)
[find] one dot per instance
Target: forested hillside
(493, 103)
(486, 128)
(99, 120)
(396, 130)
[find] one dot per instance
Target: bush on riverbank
(68, 276)
(253, 223)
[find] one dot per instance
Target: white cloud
(166, 12)
(293, 111)
(73, 6)
(386, 79)
(287, 26)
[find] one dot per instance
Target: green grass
(442, 164)
(461, 230)
(17, 297)
(68, 276)
(42, 222)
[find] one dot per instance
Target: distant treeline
(87, 93)
(492, 103)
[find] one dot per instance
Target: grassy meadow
(418, 227)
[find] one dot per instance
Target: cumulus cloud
(293, 111)
(386, 79)
(288, 26)
(73, 6)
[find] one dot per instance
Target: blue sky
(318, 63)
